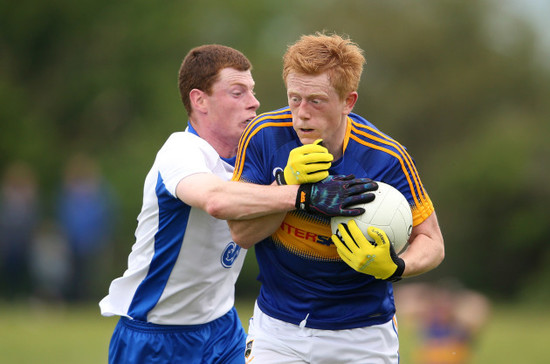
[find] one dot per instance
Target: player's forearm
(234, 200)
(426, 249)
(244, 201)
(246, 233)
(422, 256)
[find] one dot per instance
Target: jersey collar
(230, 161)
(346, 136)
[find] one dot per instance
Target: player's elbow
(243, 243)
(437, 255)
(239, 236)
(441, 254)
(216, 207)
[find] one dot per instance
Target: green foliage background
(457, 82)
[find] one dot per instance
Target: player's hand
(336, 195)
(308, 163)
(376, 258)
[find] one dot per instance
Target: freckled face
(317, 110)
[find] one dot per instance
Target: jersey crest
(230, 254)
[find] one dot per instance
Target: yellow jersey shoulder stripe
(373, 138)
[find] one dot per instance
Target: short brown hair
(201, 66)
(315, 54)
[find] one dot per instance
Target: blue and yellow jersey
(300, 270)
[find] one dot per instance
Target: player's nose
(254, 103)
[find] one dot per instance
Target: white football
(390, 211)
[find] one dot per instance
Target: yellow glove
(308, 163)
(376, 258)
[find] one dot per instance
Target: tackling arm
(263, 208)
(333, 196)
(246, 233)
(237, 200)
(253, 211)
(234, 200)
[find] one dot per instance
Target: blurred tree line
(457, 82)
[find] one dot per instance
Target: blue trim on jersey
(173, 218)
(191, 129)
(230, 161)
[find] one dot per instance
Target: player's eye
(294, 99)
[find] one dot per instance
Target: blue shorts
(221, 341)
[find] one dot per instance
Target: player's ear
(350, 101)
(198, 100)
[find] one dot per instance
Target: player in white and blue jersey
(313, 306)
(176, 298)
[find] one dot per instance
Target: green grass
(41, 334)
(78, 334)
(515, 334)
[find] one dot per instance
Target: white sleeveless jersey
(183, 266)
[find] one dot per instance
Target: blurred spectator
(18, 221)
(50, 263)
(86, 205)
(448, 318)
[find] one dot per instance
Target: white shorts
(272, 341)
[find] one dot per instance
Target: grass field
(78, 334)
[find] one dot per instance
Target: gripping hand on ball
(376, 258)
(308, 163)
(336, 195)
